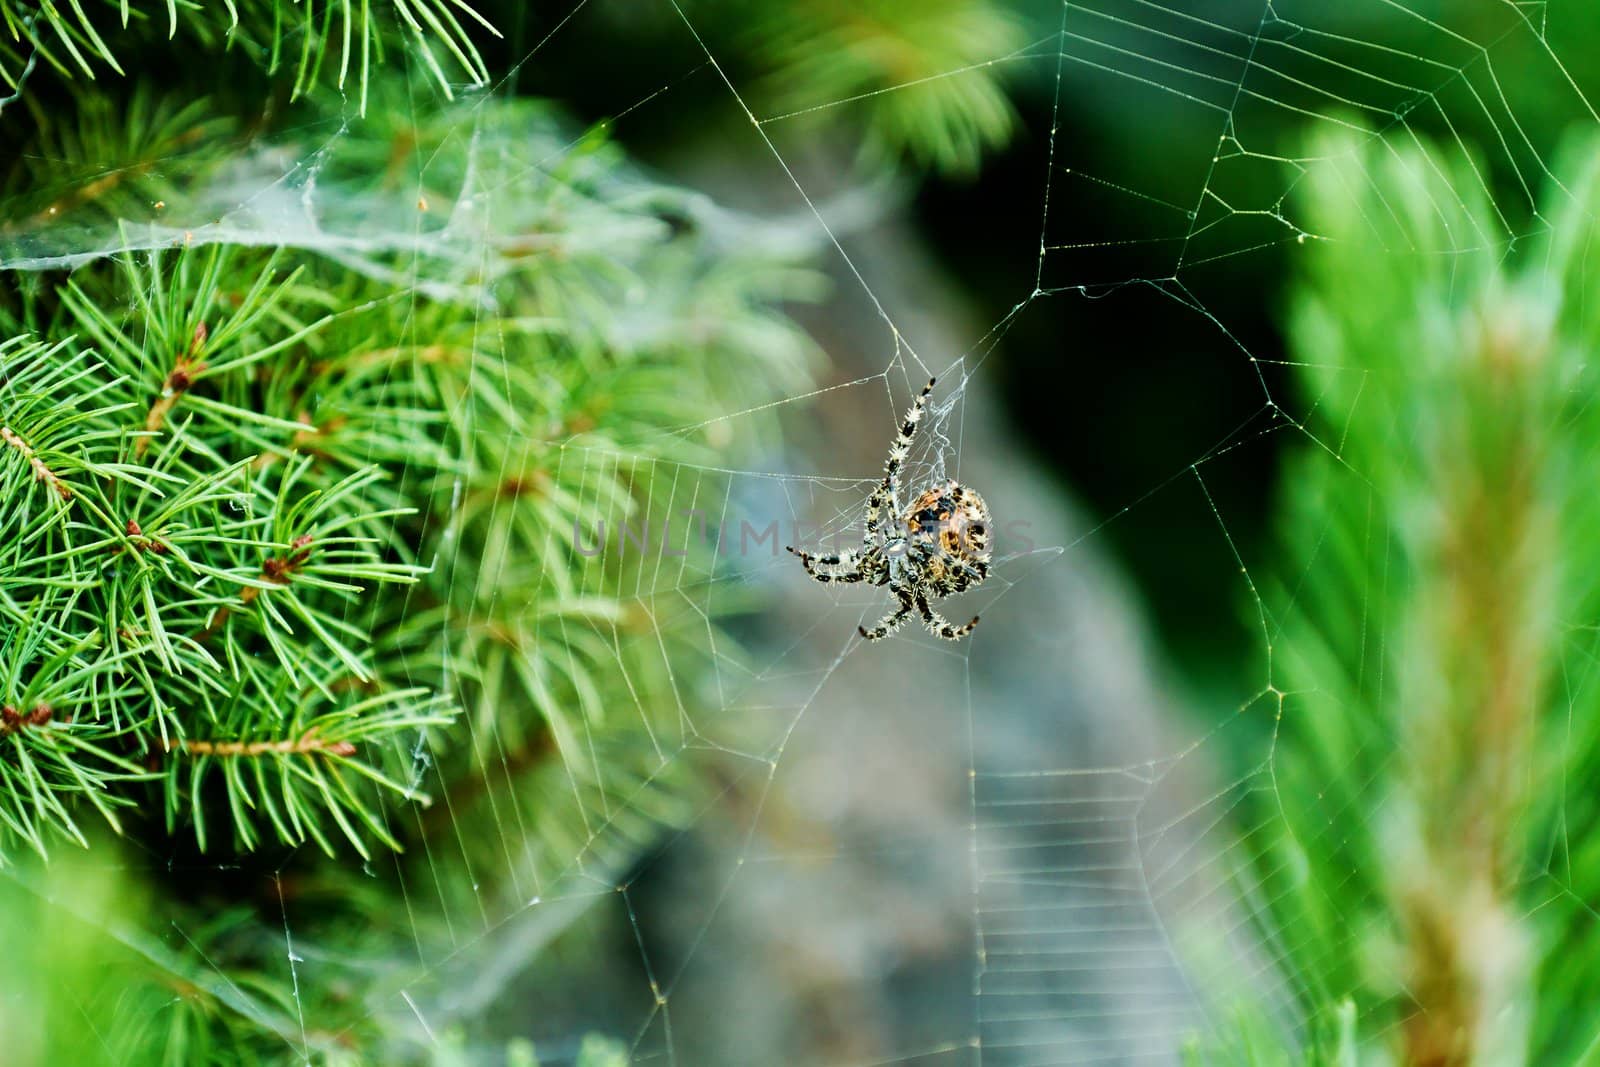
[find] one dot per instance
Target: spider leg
(891, 622)
(850, 564)
(968, 574)
(939, 625)
(888, 491)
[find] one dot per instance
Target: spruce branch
(1438, 659)
(927, 74)
(368, 476)
(73, 38)
(105, 161)
(53, 751)
(307, 770)
(177, 560)
(40, 471)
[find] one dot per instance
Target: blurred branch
(1420, 813)
(924, 75)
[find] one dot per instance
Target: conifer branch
(40, 471)
(352, 478)
(1438, 689)
(276, 569)
(183, 374)
(72, 41)
(894, 58)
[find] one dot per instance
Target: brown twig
(40, 471)
(139, 543)
(280, 569)
(12, 720)
(277, 569)
(308, 744)
(1480, 658)
(184, 371)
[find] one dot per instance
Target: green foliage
(152, 562)
(83, 984)
(1425, 854)
(288, 36)
(288, 524)
(1248, 1039)
(914, 85)
(221, 452)
(927, 74)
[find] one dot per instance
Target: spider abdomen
(950, 520)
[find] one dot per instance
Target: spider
(933, 547)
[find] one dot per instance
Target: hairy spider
(933, 547)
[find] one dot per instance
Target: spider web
(1013, 850)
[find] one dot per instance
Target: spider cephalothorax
(933, 547)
